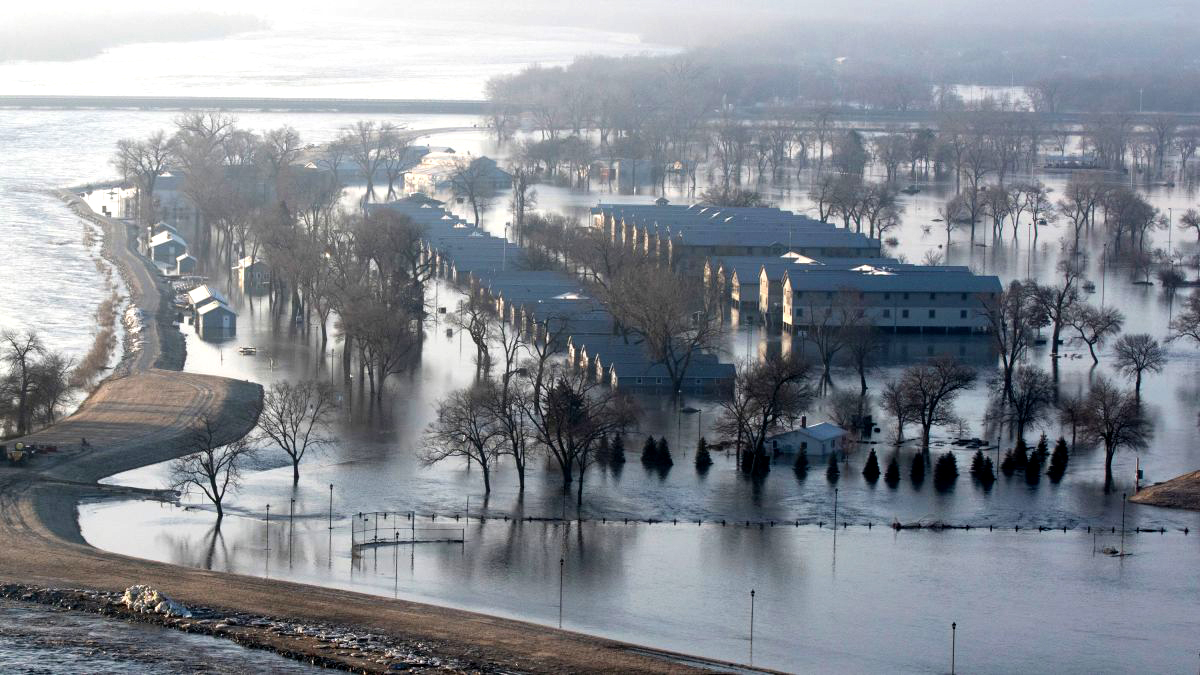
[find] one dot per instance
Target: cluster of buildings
(166, 247)
(686, 236)
(790, 271)
(548, 304)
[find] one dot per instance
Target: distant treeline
(639, 80)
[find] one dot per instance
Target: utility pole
(752, 626)
(267, 533)
(953, 644)
(331, 507)
(561, 563)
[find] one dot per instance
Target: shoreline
(145, 413)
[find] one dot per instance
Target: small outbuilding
(216, 321)
(819, 439)
(185, 264)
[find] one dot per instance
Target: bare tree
(472, 180)
(367, 144)
(1187, 323)
(1113, 418)
(142, 162)
(929, 390)
(1190, 220)
(465, 428)
(212, 467)
(1139, 353)
(1032, 396)
(21, 350)
(896, 404)
(295, 417)
(767, 395)
(1057, 302)
(1095, 325)
(569, 415)
(1011, 315)
(51, 380)
(663, 308)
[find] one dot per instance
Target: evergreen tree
(1037, 459)
(663, 458)
(871, 470)
(1058, 461)
(1020, 455)
(945, 472)
(650, 452)
(1042, 452)
(703, 459)
(917, 472)
(603, 451)
(832, 472)
(987, 473)
(801, 465)
(892, 475)
(1006, 464)
(616, 453)
(977, 464)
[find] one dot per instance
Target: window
(639, 380)
(906, 296)
(658, 380)
(962, 314)
(964, 296)
(933, 296)
(799, 311)
(932, 313)
(887, 296)
(887, 313)
(904, 314)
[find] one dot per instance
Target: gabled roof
(203, 294)
(214, 306)
(166, 236)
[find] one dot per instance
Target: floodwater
(36, 639)
(879, 600)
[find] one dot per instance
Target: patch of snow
(149, 601)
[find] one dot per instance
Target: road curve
(148, 415)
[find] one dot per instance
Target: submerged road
(145, 415)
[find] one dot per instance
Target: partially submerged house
(437, 171)
(252, 275)
(212, 317)
(818, 439)
(215, 321)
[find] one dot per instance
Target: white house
(819, 439)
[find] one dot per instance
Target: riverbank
(1181, 492)
(146, 414)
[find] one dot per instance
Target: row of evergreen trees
(1019, 459)
(656, 454)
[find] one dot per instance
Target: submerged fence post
(331, 507)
